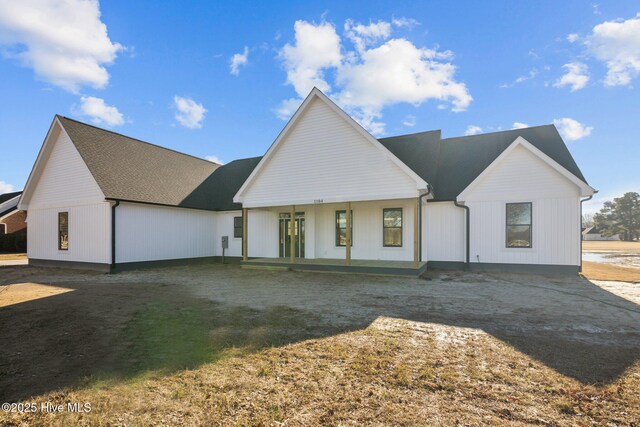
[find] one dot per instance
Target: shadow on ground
(111, 329)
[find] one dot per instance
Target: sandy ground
(66, 326)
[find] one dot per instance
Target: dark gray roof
(129, 169)
(460, 160)
(217, 191)
(8, 196)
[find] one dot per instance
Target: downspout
(581, 237)
(113, 234)
(468, 232)
(429, 191)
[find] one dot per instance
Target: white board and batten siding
(524, 177)
(444, 232)
(153, 233)
(324, 158)
(262, 238)
(66, 185)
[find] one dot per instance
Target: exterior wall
(367, 231)
(89, 233)
(324, 158)
(600, 237)
(150, 233)
(263, 233)
(444, 232)
(66, 185)
(15, 221)
(523, 177)
(65, 179)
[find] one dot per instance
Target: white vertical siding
(444, 232)
(263, 233)
(89, 234)
(324, 157)
(65, 179)
(523, 177)
(148, 233)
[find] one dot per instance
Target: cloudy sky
(220, 81)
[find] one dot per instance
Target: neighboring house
(12, 220)
(506, 200)
(594, 233)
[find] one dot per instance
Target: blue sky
(164, 72)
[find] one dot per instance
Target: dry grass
(602, 271)
(12, 256)
(395, 372)
(611, 246)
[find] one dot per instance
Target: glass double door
(289, 234)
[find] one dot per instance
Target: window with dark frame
(519, 224)
(341, 228)
(392, 227)
(63, 231)
(237, 226)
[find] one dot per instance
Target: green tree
(621, 216)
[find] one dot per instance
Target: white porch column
(348, 242)
(245, 234)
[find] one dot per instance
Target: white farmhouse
(507, 200)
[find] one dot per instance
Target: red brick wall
(15, 221)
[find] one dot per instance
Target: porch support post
(416, 233)
(293, 233)
(348, 242)
(245, 234)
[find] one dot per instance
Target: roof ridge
(498, 131)
(136, 139)
(412, 134)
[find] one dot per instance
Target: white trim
(316, 93)
(360, 198)
(585, 189)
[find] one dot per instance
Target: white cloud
(5, 187)
(473, 130)
(377, 73)
(573, 37)
(571, 129)
(404, 22)
(409, 121)
(100, 113)
(576, 76)
(64, 42)
(214, 159)
(519, 125)
(238, 60)
(617, 43)
(317, 47)
(287, 108)
(530, 75)
(366, 35)
(190, 114)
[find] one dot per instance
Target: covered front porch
(396, 268)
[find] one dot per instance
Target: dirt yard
(216, 345)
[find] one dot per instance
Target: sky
(219, 81)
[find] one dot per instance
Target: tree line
(620, 216)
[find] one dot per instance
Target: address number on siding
(316, 201)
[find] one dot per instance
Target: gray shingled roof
(129, 169)
(8, 196)
(460, 160)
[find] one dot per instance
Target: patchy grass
(611, 246)
(395, 372)
(602, 271)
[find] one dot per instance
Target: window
(392, 227)
(63, 231)
(518, 225)
(341, 228)
(237, 226)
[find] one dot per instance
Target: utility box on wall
(225, 242)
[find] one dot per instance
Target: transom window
(341, 228)
(518, 225)
(237, 226)
(392, 227)
(63, 231)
